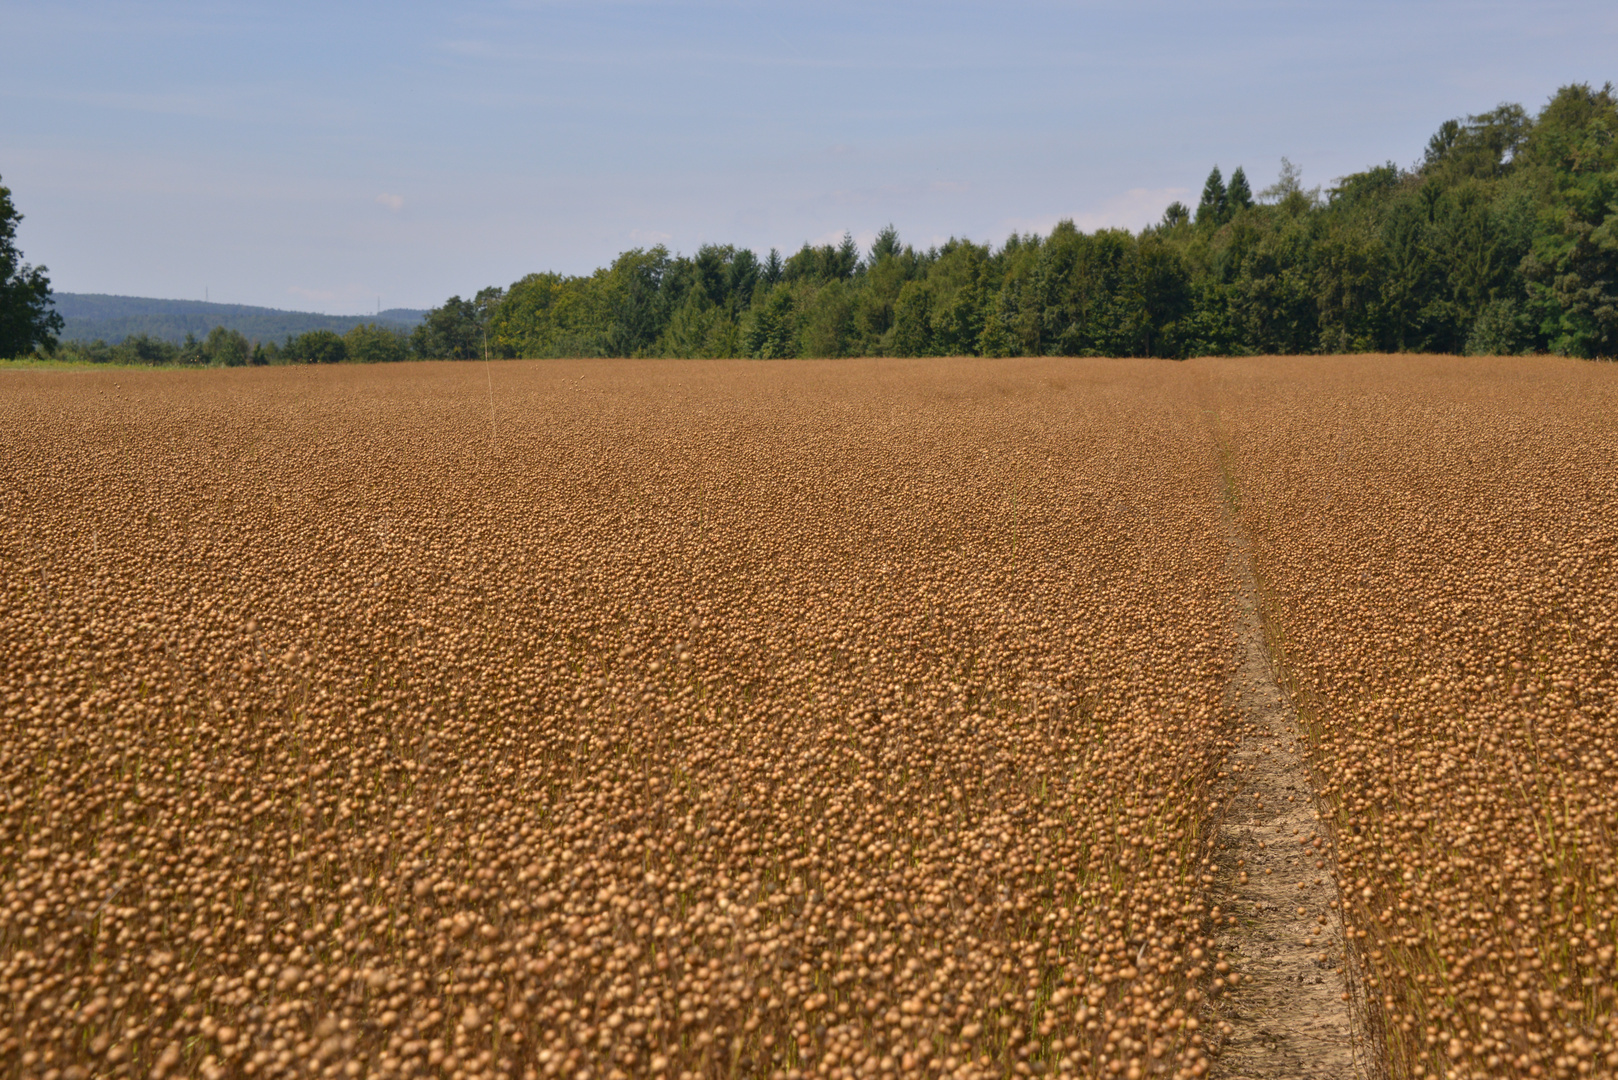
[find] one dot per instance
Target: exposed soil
(1288, 1014)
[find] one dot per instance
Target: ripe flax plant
(700, 725)
(1437, 542)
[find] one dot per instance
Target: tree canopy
(1501, 238)
(26, 318)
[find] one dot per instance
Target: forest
(1501, 239)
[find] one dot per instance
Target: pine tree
(1239, 196)
(772, 270)
(885, 245)
(1214, 207)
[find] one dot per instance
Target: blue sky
(322, 156)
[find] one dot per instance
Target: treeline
(367, 343)
(1501, 240)
(91, 316)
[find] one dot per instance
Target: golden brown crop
(694, 719)
(1439, 544)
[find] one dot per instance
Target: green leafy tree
(913, 320)
(316, 347)
(453, 331)
(1288, 193)
(549, 315)
(27, 320)
(370, 343)
(828, 262)
(1500, 239)
(634, 307)
(1412, 286)
(700, 328)
(226, 348)
(999, 338)
(1016, 310)
(484, 306)
(960, 297)
(1272, 298)
(742, 276)
(770, 331)
(1093, 301)
(191, 351)
(141, 349)
(887, 267)
(1572, 268)
(1478, 147)
(1163, 282)
(1347, 265)
(828, 321)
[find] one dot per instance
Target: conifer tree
(1239, 196)
(1214, 208)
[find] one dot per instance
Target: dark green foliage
(913, 321)
(1572, 268)
(770, 333)
(26, 317)
(819, 265)
(1215, 204)
(885, 246)
(135, 350)
(1480, 146)
(367, 343)
(372, 343)
(1239, 196)
(226, 348)
(1501, 240)
(451, 332)
(772, 270)
(315, 347)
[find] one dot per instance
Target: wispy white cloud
(390, 201)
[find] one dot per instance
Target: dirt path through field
(1287, 1014)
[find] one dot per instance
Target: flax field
(815, 719)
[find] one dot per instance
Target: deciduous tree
(27, 319)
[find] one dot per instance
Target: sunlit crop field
(740, 719)
(1439, 543)
(610, 719)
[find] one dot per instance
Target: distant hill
(92, 316)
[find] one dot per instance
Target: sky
(341, 156)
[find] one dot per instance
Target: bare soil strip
(1287, 1016)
